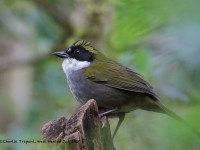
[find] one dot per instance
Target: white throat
(70, 65)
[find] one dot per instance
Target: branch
(82, 131)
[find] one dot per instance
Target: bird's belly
(106, 97)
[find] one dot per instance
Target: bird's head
(79, 55)
(81, 50)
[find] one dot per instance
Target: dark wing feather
(114, 75)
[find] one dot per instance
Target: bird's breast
(106, 97)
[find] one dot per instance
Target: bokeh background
(159, 39)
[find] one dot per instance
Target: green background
(158, 39)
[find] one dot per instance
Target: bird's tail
(170, 113)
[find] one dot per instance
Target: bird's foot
(107, 112)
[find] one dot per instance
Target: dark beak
(62, 54)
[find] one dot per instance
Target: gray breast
(106, 97)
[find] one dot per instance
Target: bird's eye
(76, 52)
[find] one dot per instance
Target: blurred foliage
(159, 39)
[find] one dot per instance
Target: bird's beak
(62, 54)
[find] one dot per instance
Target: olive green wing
(114, 75)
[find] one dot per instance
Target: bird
(117, 89)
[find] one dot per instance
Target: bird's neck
(71, 65)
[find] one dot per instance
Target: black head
(80, 50)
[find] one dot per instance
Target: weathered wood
(83, 131)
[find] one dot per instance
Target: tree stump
(83, 131)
